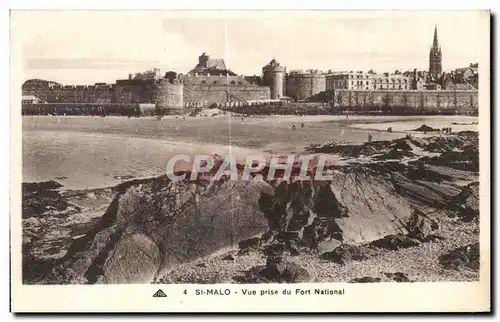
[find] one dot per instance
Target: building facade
(367, 81)
(348, 80)
(391, 82)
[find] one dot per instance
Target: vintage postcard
(250, 161)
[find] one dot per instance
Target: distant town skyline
(78, 47)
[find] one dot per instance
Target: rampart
(100, 109)
(405, 102)
(166, 93)
(101, 94)
(208, 94)
(135, 91)
(304, 85)
(169, 94)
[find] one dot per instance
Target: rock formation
(151, 225)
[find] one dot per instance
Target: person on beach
(369, 137)
(293, 127)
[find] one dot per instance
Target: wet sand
(85, 152)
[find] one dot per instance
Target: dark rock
(286, 272)
(269, 236)
(41, 197)
(419, 171)
(425, 128)
(228, 258)
(346, 252)
(395, 155)
(154, 224)
(33, 187)
(249, 243)
(402, 145)
(356, 199)
(432, 238)
(466, 202)
(420, 225)
(467, 160)
(398, 277)
(202, 265)
(366, 279)
(395, 242)
(288, 235)
(466, 256)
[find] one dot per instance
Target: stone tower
(273, 75)
(435, 67)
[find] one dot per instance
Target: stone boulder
(153, 224)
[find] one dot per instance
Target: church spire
(435, 43)
(435, 56)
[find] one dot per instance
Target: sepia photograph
(251, 148)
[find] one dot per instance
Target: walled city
(212, 82)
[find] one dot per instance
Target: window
(233, 82)
(216, 82)
(203, 82)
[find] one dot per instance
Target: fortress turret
(273, 75)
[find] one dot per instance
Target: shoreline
(148, 144)
(79, 211)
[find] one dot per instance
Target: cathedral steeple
(435, 57)
(435, 43)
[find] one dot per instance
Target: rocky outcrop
(465, 256)
(346, 252)
(466, 202)
(366, 279)
(154, 224)
(278, 269)
(42, 197)
(370, 203)
(426, 128)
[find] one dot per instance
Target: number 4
(185, 292)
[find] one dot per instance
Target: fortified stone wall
(135, 91)
(274, 79)
(169, 94)
(411, 101)
(80, 94)
(302, 86)
(214, 80)
(215, 93)
(39, 91)
(143, 109)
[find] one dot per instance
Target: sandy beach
(86, 152)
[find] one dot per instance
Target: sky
(84, 47)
